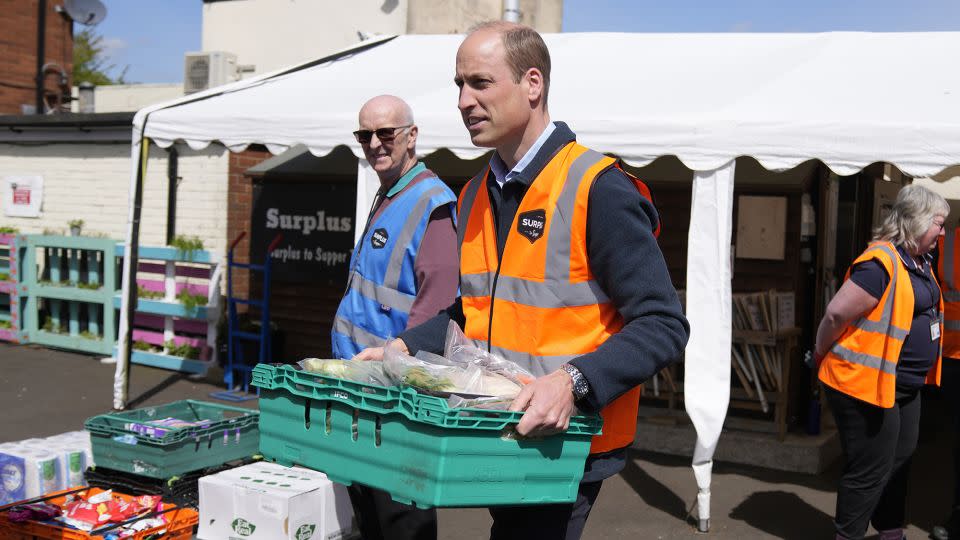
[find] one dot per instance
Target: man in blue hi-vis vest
(403, 271)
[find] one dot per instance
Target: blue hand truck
(236, 374)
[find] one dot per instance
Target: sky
(151, 36)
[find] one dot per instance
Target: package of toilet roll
(29, 472)
(33, 467)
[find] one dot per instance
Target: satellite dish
(86, 12)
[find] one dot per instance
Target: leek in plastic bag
(351, 370)
(430, 373)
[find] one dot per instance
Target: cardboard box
(266, 501)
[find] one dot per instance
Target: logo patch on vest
(530, 224)
(379, 238)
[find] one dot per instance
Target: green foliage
(90, 62)
(86, 334)
(50, 326)
(148, 294)
(75, 223)
(183, 351)
(90, 286)
(4, 276)
(6, 324)
(8, 230)
(144, 346)
(190, 301)
(186, 245)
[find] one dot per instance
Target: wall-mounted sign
(22, 196)
(316, 220)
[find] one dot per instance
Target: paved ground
(45, 392)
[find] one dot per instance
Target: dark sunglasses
(385, 134)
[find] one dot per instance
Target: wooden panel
(761, 227)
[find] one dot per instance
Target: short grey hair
(911, 216)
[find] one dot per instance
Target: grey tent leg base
(703, 525)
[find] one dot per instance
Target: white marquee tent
(848, 99)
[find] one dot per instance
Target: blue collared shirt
(499, 168)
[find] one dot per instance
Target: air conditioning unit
(204, 70)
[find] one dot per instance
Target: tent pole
(708, 308)
(121, 383)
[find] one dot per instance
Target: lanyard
(926, 273)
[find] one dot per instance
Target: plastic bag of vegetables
(430, 374)
(460, 350)
(364, 372)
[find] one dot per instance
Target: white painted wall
(129, 97)
(91, 182)
(271, 34)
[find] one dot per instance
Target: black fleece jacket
(628, 265)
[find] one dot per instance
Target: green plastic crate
(414, 446)
(121, 440)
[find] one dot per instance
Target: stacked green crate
(174, 438)
(415, 446)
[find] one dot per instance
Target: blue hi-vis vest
(382, 283)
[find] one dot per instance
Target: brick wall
(240, 198)
(18, 52)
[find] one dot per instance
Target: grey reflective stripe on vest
(472, 285)
(538, 366)
(867, 360)
(392, 277)
(561, 222)
(534, 293)
(951, 296)
(951, 325)
(883, 326)
(358, 335)
(949, 238)
(466, 204)
(391, 298)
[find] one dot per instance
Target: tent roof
(847, 98)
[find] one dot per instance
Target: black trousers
(877, 446)
(381, 518)
(950, 385)
(545, 521)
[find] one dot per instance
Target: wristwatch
(580, 385)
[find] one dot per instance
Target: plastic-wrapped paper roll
(73, 462)
(29, 472)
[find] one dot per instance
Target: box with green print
(266, 501)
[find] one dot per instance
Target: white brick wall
(91, 182)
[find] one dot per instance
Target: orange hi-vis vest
(540, 305)
(947, 267)
(863, 362)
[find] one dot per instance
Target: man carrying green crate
(560, 270)
(402, 271)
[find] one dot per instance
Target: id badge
(934, 331)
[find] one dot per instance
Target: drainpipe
(173, 177)
(41, 52)
(511, 11)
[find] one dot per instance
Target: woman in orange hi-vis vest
(878, 344)
(948, 270)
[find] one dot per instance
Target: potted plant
(75, 226)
